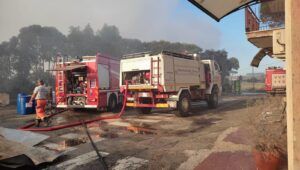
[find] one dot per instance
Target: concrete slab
(225, 153)
(194, 158)
(130, 163)
(228, 161)
(79, 160)
(73, 136)
(241, 136)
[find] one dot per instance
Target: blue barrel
(23, 106)
(20, 95)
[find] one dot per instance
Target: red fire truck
(275, 80)
(89, 82)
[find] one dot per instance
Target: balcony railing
(253, 22)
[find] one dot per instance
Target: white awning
(217, 9)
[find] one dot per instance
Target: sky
(147, 20)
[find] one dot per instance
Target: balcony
(266, 33)
(259, 33)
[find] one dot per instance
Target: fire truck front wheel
(112, 103)
(183, 105)
(213, 99)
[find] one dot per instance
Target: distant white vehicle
(169, 80)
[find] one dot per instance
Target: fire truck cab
(90, 82)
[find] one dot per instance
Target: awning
(217, 9)
(68, 68)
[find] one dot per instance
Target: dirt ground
(159, 140)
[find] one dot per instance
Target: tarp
(25, 137)
(38, 155)
(18, 162)
(16, 142)
(217, 9)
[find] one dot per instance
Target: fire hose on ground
(28, 127)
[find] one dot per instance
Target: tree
(24, 57)
(158, 46)
(109, 41)
(233, 63)
(52, 42)
(4, 65)
(37, 44)
(109, 33)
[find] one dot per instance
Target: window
(217, 67)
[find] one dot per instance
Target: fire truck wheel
(144, 110)
(183, 105)
(213, 99)
(112, 103)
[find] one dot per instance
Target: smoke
(143, 19)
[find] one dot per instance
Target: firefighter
(40, 95)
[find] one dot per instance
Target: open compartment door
(103, 75)
(103, 83)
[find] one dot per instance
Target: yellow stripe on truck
(158, 105)
(162, 105)
(131, 104)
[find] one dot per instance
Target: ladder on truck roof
(154, 71)
(60, 77)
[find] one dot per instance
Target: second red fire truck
(91, 82)
(275, 81)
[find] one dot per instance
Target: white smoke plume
(143, 19)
